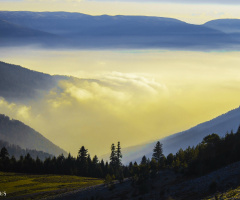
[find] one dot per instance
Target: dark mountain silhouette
(191, 137)
(16, 151)
(85, 31)
(19, 84)
(17, 133)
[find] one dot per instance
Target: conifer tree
(157, 152)
(118, 155)
(4, 153)
(95, 160)
(82, 154)
(82, 157)
(144, 160)
(113, 160)
(238, 131)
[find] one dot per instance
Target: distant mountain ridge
(76, 30)
(191, 137)
(17, 133)
(225, 25)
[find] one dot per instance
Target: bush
(109, 182)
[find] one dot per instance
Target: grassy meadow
(40, 186)
(230, 194)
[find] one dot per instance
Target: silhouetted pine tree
(118, 155)
(82, 160)
(158, 152)
(4, 159)
(113, 157)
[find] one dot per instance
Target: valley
(106, 105)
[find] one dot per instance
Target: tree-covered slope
(16, 151)
(17, 133)
(18, 83)
(171, 144)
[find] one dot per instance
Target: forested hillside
(16, 151)
(221, 125)
(19, 83)
(15, 132)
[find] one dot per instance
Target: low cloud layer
(93, 112)
(132, 97)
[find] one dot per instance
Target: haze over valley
(118, 89)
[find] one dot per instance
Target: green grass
(230, 194)
(36, 186)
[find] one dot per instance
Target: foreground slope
(171, 144)
(167, 184)
(27, 186)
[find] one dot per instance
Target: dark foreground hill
(17, 133)
(167, 185)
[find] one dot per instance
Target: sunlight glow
(131, 96)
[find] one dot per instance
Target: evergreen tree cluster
(143, 173)
(115, 161)
(83, 165)
(16, 151)
(212, 153)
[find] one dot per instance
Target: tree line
(18, 151)
(212, 153)
(82, 165)
(209, 155)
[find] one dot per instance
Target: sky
(191, 11)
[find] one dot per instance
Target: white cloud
(19, 111)
(92, 111)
